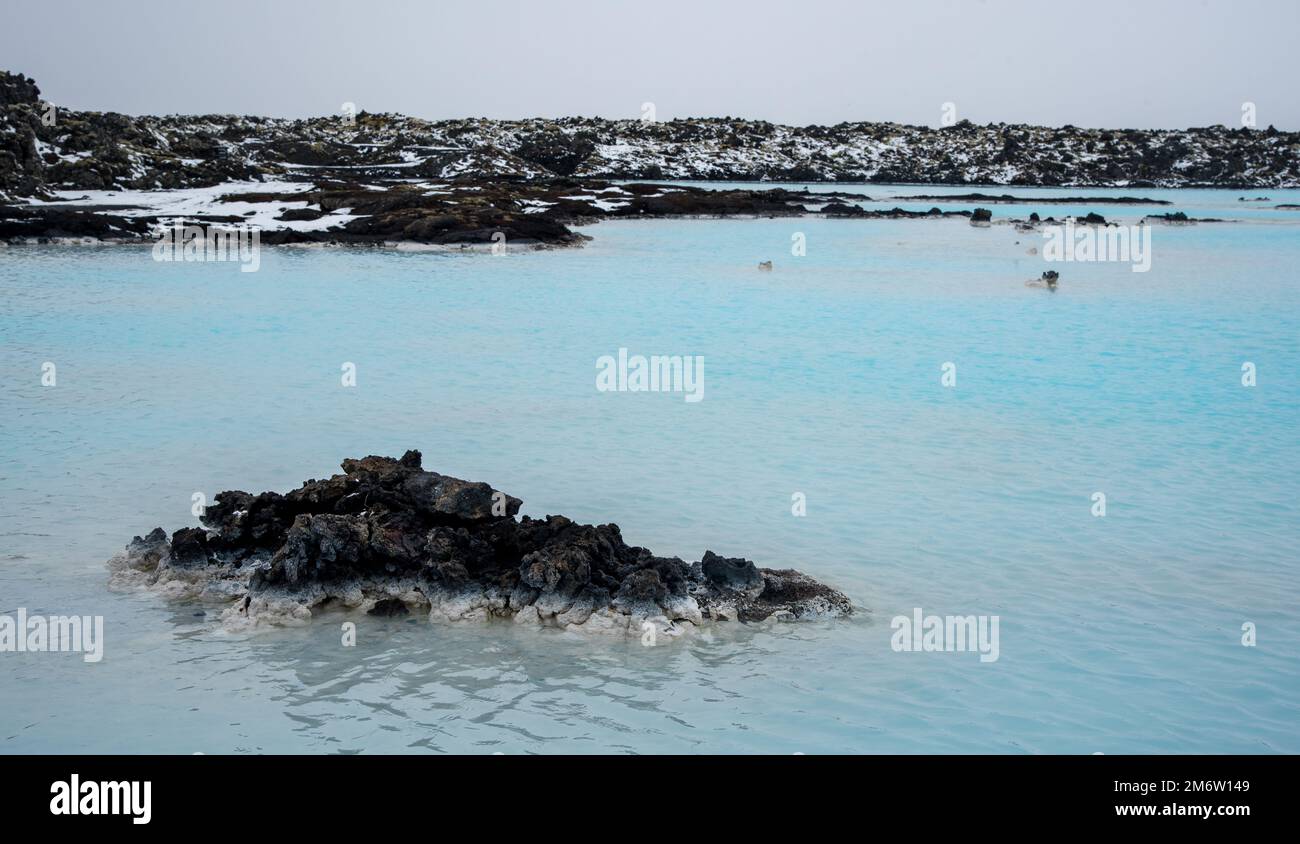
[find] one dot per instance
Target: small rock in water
(1048, 280)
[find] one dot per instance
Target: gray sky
(1114, 63)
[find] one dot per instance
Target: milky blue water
(1120, 633)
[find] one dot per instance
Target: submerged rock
(387, 537)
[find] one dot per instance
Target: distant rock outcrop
(384, 178)
(95, 150)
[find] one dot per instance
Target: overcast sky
(1114, 63)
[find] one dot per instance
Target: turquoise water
(1117, 634)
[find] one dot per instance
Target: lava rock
(735, 574)
(387, 530)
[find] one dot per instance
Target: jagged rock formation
(388, 537)
(89, 150)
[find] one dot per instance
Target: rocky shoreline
(385, 178)
(389, 538)
(466, 213)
